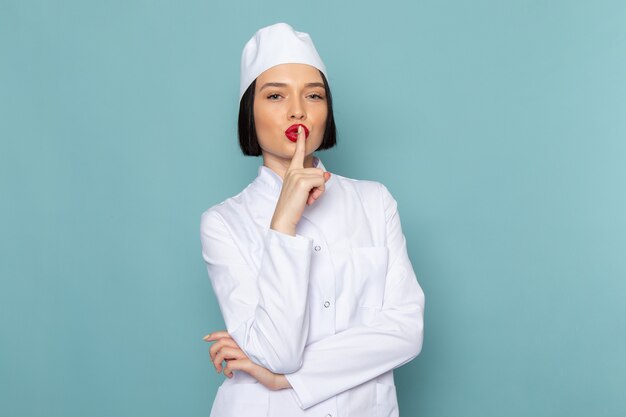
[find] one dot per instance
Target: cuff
(299, 242)
(299, 391)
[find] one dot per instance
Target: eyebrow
(307, 85)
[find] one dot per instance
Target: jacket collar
(269, 179)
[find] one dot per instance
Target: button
(329, 415)
(326, 304)
(318, 248)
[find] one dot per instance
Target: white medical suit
(335, 308)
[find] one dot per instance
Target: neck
(280, 166)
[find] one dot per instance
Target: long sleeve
(392, 338)
(265, 309)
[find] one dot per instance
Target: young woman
(310, 269)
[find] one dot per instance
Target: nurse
(310, 269)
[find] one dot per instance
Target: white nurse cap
(275, 45)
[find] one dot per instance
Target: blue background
(499, 126)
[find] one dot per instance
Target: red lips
(292, 132)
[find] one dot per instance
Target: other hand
(226, 349)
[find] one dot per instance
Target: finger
(227, 353)
(215, 335)
(326, 176)
(316, 185)
(217, 362)
(308, 181)
(297, 161)
(315, 194)
(220, 344)
(236, 365)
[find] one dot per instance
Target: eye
(274, 96)
(316, 96)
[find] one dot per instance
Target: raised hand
(301, 187)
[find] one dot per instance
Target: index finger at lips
(297, 161)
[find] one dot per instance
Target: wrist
(280, 382)
(282, 228)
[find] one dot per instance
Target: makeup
(292, 132)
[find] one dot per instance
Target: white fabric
(336, 308)
(274, 45)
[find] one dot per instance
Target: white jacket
(335, 308)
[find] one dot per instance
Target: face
(285, 95)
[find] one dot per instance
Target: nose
(297, 112)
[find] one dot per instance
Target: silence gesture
(301, 187)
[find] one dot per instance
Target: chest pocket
(370, 270)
